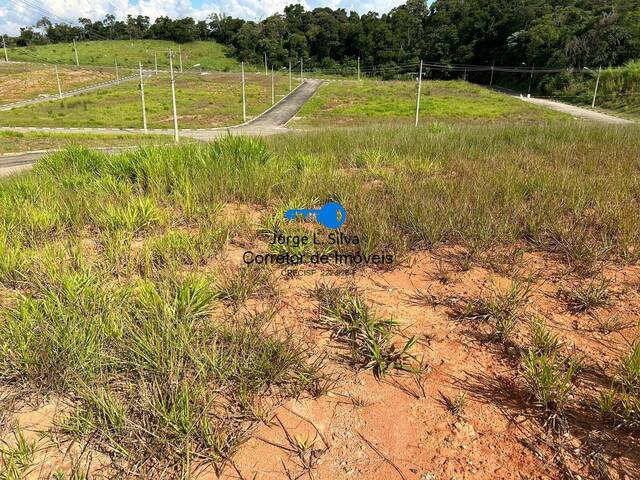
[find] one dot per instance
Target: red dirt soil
(399, 427)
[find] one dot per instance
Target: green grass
(621, 403)
(351, 102)
(584, 298)
(409, 187)
(209, 55)
(203, 101)
(11, 142)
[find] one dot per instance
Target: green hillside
(210, 55)
(373, 101)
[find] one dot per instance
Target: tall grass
(564, 189)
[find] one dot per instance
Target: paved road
(283, 112)
(71, 93)
(271, 122)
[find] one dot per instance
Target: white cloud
(15, 14)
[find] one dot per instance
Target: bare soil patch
(403, 426)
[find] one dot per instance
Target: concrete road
(70, 93)
(273, 121)
(282, 112)
(14, 164)
(578, 112)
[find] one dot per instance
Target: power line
(52, 16)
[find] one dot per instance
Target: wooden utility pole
(117, 73)
(358, 68)
(265, 64)
(273, 87)
(155, 59)
(290, 84)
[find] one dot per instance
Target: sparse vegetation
(621, 403)
(22, 81)
(122, 292)
(584, 298)
(369, 337)
(17, 457)
(503, 308)
(543, 341)
(629, 370)
(455, 405)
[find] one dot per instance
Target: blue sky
(19, 13)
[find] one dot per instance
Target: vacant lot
(373, 102)
(500, 341)
(209, 55)
(22, 82)
(28, 141)
(203, 101)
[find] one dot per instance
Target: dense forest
(544, 33)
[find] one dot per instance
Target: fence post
(75, 49)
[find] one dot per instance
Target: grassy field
(444, 183)
(370, 102)
(25, 81)
(118, 294)
(209, 55)
(28, 141)
(203, 101)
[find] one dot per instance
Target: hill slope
(210, 55)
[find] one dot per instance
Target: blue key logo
(331, 215)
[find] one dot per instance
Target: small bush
(550, 381)
(503, 308)
(629, 369)
(543, 341)
(584, 298)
